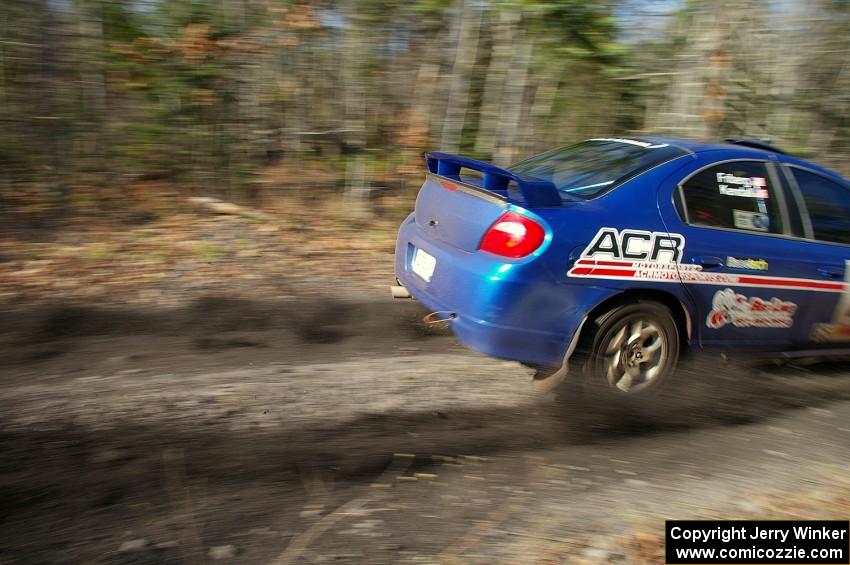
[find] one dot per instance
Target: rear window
(593, 167)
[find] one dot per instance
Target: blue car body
(766, 283)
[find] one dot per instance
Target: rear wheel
(631, 350)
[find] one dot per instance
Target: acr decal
(608, 243)
(746, 187)
(753, 221)
(839, 329)
(656, 257)
(729, 307)
(746, 263)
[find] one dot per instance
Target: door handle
(708, 262)
(832, 272)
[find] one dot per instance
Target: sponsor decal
(746, 187)
(839, 329)
(753, 221)
(729, 307)
(830, 332)
(656, 256)
(636, 245)
(746, 263)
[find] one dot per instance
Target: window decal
(748, 187)
(752, 221)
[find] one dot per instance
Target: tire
(630, 351)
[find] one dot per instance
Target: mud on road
(344, 431)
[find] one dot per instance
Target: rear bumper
(511, 309)
(509, 342)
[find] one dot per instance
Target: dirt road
(346, 433)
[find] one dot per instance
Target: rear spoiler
(536, 193)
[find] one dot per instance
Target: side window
(736, 195)
(828, 204)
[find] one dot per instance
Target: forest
(105, 102)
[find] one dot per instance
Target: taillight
(513, 235)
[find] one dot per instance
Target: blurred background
(104, 102)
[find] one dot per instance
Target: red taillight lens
(513, 235)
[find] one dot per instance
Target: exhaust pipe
(398, 291)
(439, 317)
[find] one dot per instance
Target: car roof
(738, 150)
(697, 146)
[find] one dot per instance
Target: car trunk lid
(452, 213)
(461, 198)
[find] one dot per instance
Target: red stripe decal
(597, 272)
(448, 186)
(605, 263)
(790, 283)
(628, 269)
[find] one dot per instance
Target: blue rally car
(614, 256)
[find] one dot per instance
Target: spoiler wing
(537, 193)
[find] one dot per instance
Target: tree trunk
(357, 190)
(537, 134)
(512, 103)
(465, 52)
(494, 87)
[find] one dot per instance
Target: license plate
(423, 265)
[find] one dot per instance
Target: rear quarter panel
(632, 206)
